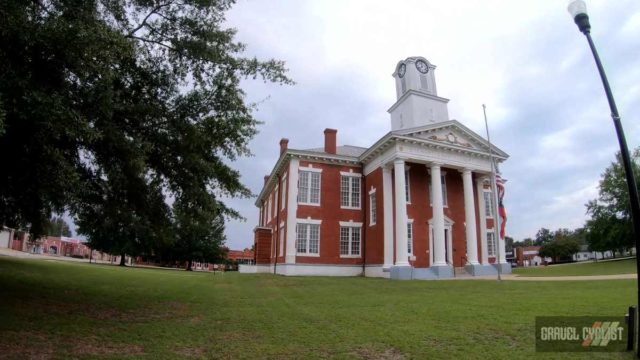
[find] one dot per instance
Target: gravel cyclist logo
(583, 333)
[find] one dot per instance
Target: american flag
(501, 210)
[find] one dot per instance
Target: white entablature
(449, 143)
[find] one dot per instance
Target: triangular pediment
(447, 221)
(451, 133)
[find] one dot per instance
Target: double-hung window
(283, 193)
(308, 238)
(281, 240)
(268, 210)
(488, 203)
(373, 216)
(309, 187)
(410, 237)
(491, 243)
(350, 239)
(350, 190)
(444, 191)
(407, 186)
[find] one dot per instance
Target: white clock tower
(418, 103)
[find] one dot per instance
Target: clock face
(402, 69)
(422, 66)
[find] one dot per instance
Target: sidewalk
(570, 278)
(25, 255)
(513, 277)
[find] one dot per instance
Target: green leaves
(110, 108)
(610, 225)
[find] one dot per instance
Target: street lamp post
(578, 10)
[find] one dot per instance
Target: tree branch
(144, 21)
(152, 41)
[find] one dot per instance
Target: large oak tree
(109, 107)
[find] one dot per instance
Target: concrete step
(461, 272)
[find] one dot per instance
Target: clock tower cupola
(418, 103)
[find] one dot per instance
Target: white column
(292, 210)
(402, 256)
(483, 221)
(470, 218)
(387, 216)
(438, 217)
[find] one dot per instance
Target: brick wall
(331, 214)
(262, 241)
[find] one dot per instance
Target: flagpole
(494, 189)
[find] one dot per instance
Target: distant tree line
(608, 228)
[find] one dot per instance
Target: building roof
(245, 254)
(344, 150)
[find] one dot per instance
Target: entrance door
(447, 249)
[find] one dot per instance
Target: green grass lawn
(62, 310)
(611, 267)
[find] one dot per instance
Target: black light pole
(578, 9)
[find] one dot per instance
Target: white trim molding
(310, 168)
(292, 210)
(309, 221)
(350, 223)
(350, 173)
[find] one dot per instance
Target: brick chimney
(266, 178)
(284, 143)
(330, 141)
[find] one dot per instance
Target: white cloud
(526, 60)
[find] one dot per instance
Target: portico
(446, 175)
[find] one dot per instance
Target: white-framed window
(308, 237)
(349, 190)
(373, 216)
(283, 193)
(491, 243)
(273, 243)
(350, 239)
(443, 181)
(262, 215)
(309, 186)
(407, 186)
(281, 240)
(268, 210)
(276, 196)
(410, 237)
(488, 203)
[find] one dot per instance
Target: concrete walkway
(513, 277)
(571, 278)
(26, 255)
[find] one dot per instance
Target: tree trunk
(122, 260)
(189, 266)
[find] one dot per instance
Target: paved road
(25, 255)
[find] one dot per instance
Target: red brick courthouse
(414, 205)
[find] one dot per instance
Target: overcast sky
(526, 60)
